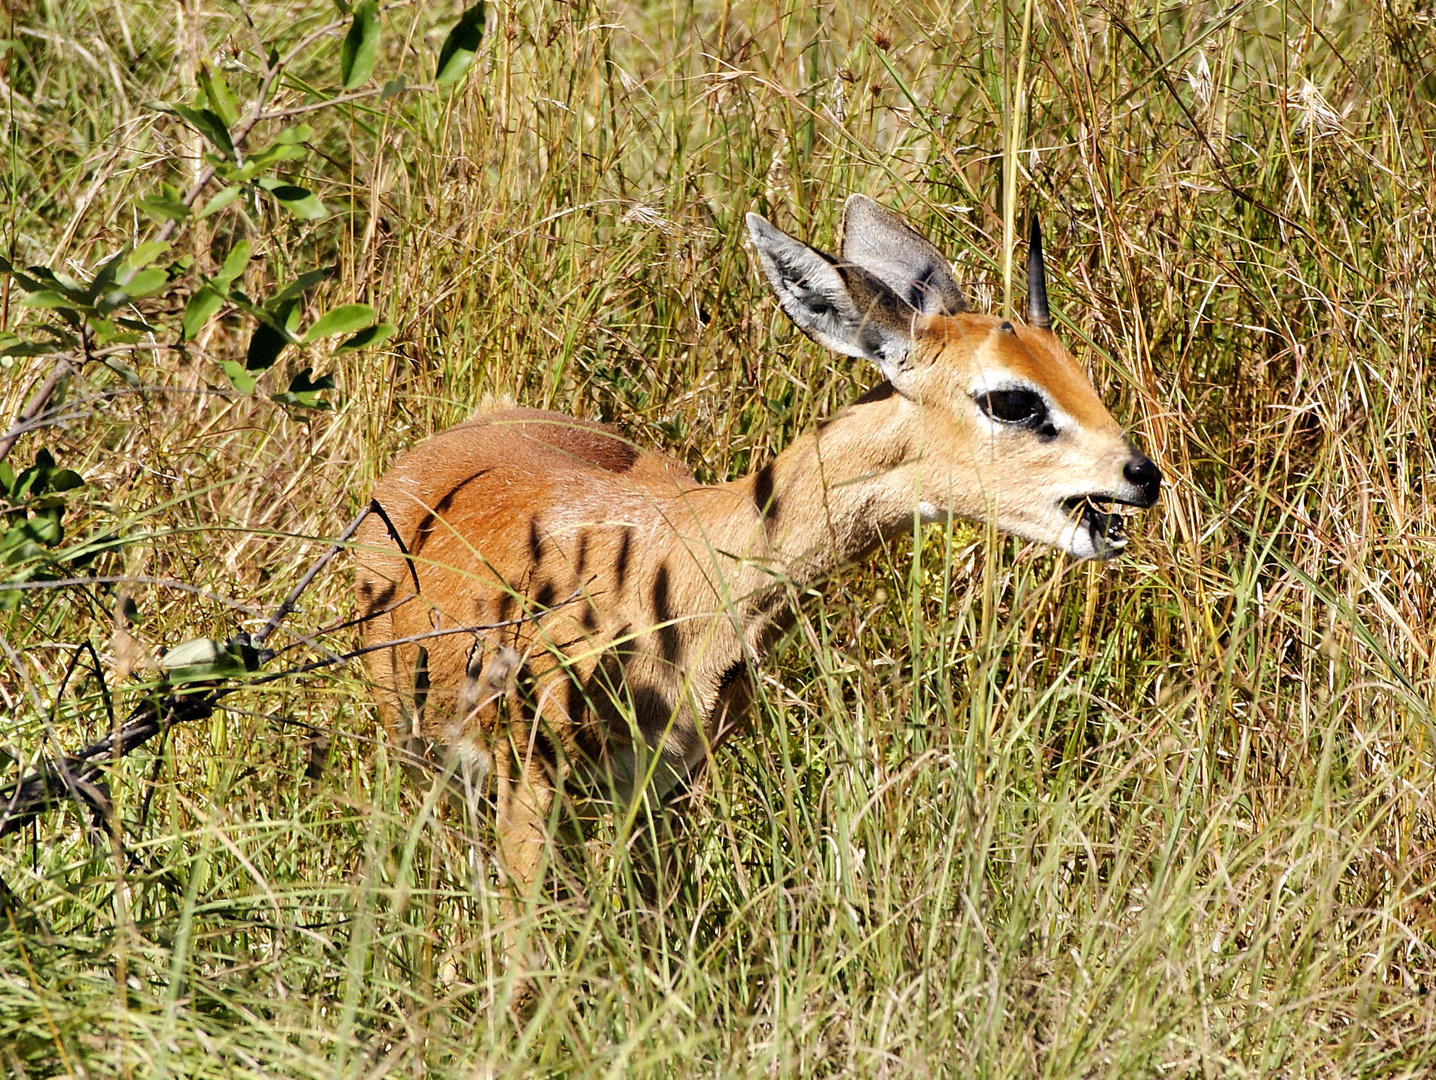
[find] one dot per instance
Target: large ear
(891, 250)
(843, 308)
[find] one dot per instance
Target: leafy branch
(85, 319)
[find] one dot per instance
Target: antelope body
(626, 602)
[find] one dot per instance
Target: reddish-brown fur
(541, 527)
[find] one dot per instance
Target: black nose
(1143, 473)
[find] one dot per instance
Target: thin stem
(36, 405)
(342, 99)
(293, 598)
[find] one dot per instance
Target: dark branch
(78, 777)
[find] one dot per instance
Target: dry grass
(1002, 815)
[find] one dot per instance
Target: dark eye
(1014, 407)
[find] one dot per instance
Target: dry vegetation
(1002, 815)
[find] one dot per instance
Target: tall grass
(1000, 814)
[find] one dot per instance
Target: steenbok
(565, 607)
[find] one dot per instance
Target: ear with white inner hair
(892, 251)
(843, 308)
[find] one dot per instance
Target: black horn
(1037, 313)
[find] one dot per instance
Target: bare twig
(78, 776)
(293, 598)
(36, 405)
(130, 579)
(315, 106)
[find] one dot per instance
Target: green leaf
(11, 345)
(48, 298)
(163, 210)
(227, 171)
(201, 307)
(234, 264)
(220, 200)
(461, 46)
(210, 126)
(393, 87)
(239, 378)
(65, 480)
(107, 333)
(113, 299)
(205, 659)
(145, 254)
(303, 392)
(372, 336)
(145, 282)
(123, 370)
(105, 276)
(303, 283)
(217, 93)
(46, 528)
(62, 306)
(300, 202)
(63, 283)
(42, 478)
(299, 133)
(275, 330)
(344, 319)
(27, 479)
(25, 282)
(63, 338)
(361, 45)
(264, 348)
(257, 163)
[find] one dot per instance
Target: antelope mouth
(1100, 517)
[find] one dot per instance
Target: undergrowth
(999, 814)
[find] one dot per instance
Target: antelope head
(1003, 424)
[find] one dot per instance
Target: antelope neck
(832, 496)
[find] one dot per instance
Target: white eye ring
(1019, 405)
